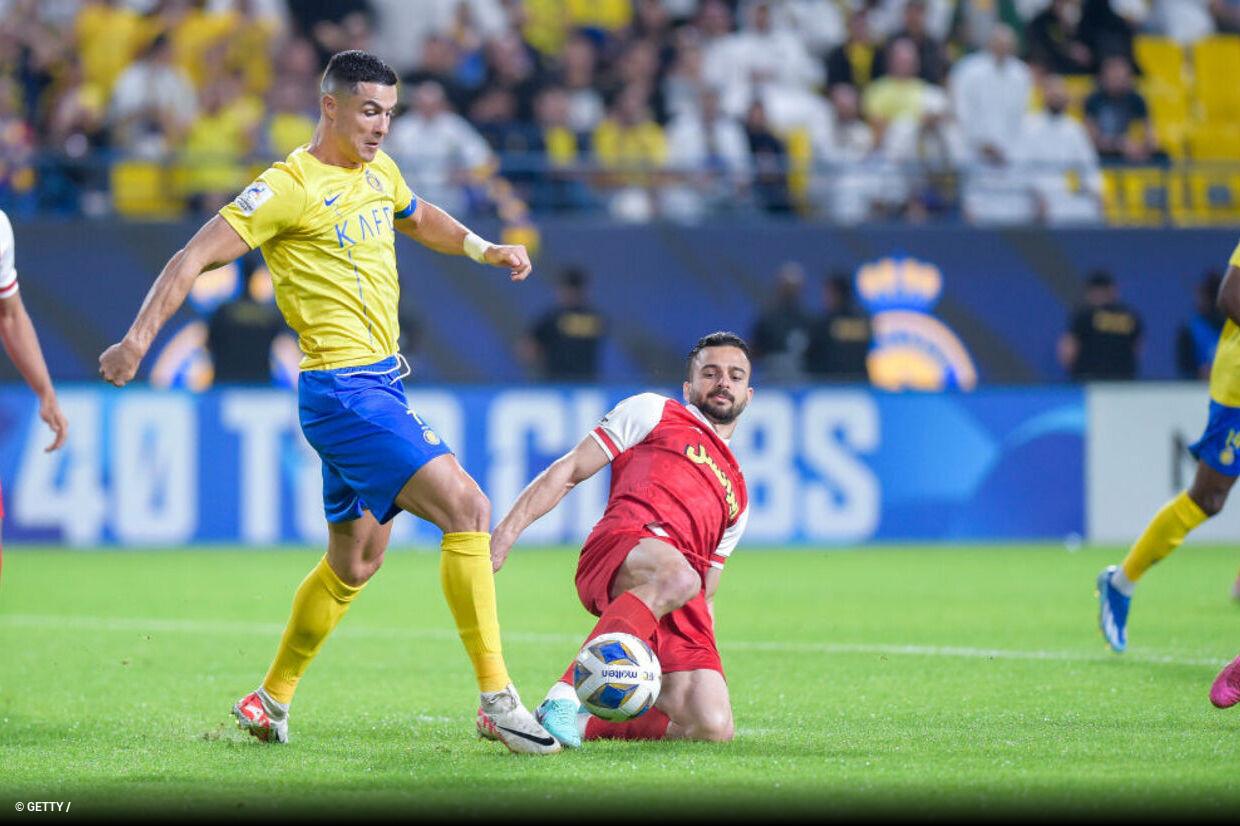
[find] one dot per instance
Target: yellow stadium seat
(1210, 195)
(144, 189)
(1136, 196)
(1169, 116)
(1215, 59)
(1112, 210)
(1160, 58)
(1078, 87)
(1214, 142)
(800, 159)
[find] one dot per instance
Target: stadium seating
(1135, 196)
(1078, 87)
(145, 189)
(800, 160)
(1160, 59)
(1214, 62)
(1214, 142)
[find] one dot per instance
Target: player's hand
(50, 412)
(512, 256)
(500, 546)
(119, 363)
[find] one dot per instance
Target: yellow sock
(320, 602)
(1163, 535)
(469, 586)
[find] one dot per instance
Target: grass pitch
(924, 681)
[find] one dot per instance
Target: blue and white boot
(559, 714)
(1112, 611)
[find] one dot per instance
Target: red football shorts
(684, 639)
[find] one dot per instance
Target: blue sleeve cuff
(407, 211)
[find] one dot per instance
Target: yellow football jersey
(1225, 372)
(328, 236)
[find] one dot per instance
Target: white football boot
(260, 715)
(502, 717)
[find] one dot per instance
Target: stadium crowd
(852, 110)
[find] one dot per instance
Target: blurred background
(973, 243)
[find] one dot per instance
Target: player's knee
(357, 572)
(1210, 500)
(679, 585)
(471, 511)
(713, 725)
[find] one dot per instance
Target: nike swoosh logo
(533, 738)
(331, 200)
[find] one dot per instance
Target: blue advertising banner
(824, 465)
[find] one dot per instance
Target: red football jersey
(672, 474)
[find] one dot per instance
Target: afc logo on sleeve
(254, 196)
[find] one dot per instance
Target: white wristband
(476, 247)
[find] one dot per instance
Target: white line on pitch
(91, 623)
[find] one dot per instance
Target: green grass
(926, 681)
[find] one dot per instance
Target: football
(617, 677)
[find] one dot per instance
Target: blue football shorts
(1219, 445)
(370, 441)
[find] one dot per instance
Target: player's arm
(544, 493)
(727, 544)
(214, 245)
(710, 584)
(1229, 294)
(22, 344)
(435, 229)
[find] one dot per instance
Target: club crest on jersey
(698, 455)
(254, 196)
(1228, 454)
(374, 181)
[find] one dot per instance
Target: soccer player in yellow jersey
(325, 219)
(1218, 463)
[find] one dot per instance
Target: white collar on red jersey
(693, 408)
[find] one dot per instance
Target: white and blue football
(617, 677)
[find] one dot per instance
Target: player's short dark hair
(840, 283)
(722, 338)
(346, 70)
(1210, 282)
(574, 277)
(1100, 278)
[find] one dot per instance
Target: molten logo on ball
(617, 677)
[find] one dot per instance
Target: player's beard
(716, 411)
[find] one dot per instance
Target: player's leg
(355, 550)
(442, 493)
(635, 582)
(1225, 692)
(692, 705)
(693, 702)
(1164, 533)
(651, 579)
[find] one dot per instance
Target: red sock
(626, 614)
(650, 726)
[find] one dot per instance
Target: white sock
(275, 709)
(561, 690)
(1122, 583)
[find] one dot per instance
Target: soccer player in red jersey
(21, 343)
(651, 565)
